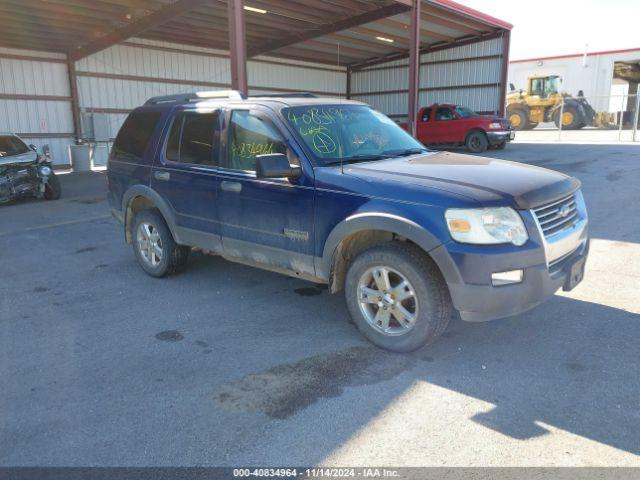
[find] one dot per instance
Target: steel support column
(348, 92)
(504, 75)
(75, 103)
(237, 46)
(414, 67)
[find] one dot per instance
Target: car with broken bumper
(334, 192)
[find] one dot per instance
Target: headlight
(495, 125)
(486, 226)
(45, 170)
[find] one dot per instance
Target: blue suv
(334, 192)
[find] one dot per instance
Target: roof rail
(286, 95)
(195, 96)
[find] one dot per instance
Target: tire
(572, 119)
(170, 258)
(52, 189)
(430, 304)
(519, 119)
(476, 142)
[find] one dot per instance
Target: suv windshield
(335, 133)
(465, 112)
(11, 145)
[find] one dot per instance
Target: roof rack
(286, 95)
(196, 96)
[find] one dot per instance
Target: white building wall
(467, 75)
(593, 76)
(35, 99)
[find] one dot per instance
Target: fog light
(506, 278)
(45, 171)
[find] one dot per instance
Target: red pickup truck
(453, 125)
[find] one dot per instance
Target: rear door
(186, 176)
(425, 135)
(264, 221)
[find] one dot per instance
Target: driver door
(264, 221)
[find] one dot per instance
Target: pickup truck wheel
(156, 251)
(397, 297)
(476, 142)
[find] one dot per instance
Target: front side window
(10, 146)
(444, 113)
(334, 133)
(250, 136)
(464, 112)
(192, 138)
(134, 135)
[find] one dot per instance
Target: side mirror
(33, 147)
(275, 165)
(512, 87)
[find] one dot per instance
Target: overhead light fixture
(254, 9)
(385, 39)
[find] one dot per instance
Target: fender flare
(373, 221)
(151, 195)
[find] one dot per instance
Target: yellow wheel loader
(542, 102)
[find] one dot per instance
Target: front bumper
(467, 270)
(500, 136)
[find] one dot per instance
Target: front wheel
(397, 297)
(52, 189)
(476, 142)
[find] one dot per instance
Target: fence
(610, 118)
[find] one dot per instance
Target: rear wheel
(519, 119)
(397, 297)
(156, 251)
(476, 142)
(52, 189)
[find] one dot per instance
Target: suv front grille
(557, 216)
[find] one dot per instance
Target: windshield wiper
(404, 152)
(360, 158)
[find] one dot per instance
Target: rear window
(10, 145)
(134, 135)
(192, 139)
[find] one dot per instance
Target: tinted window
(250, 136)
(135, 134)
(425, 115)
(444, 113)
(191, 139)
(10, 145)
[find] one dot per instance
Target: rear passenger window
(250, 136)
(425, 115)
(134, 135)
(192, 139)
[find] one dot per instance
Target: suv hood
(26, 157)
(486, 180)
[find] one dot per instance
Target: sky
(543, 28)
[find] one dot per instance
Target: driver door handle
(231, 186)
(160, 175)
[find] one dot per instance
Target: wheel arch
(141, 197)
(362, 231)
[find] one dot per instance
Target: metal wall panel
(468, 72)
(174, 62)
(36, 117)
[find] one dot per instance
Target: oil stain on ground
(281, 391)
(169, 336)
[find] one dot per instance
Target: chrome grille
(557, 216)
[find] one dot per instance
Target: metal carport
(69, 61)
